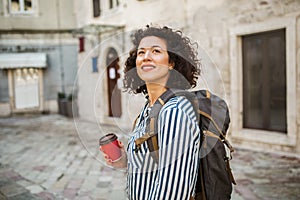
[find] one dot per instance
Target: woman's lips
(147, 68)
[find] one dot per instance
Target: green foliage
(70, 97)
(61, 95)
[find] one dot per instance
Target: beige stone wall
(210, 24)
(217, 26)
(298, 82)
(218, 29)
(93, 88)
(47, 15)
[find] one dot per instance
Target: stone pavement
(51, 157)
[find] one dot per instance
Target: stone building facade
(38, 54)
(255, 44)
(249, 52)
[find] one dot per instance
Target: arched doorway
(114, 93)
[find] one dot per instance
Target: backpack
(215, 179)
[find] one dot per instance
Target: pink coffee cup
(109, 145)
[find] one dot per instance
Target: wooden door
(114, 93)
(264, 81)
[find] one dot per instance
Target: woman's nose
(147, 54)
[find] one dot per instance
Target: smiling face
(152, 61)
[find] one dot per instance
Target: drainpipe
(62, 72)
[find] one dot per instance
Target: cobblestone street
(43, 157)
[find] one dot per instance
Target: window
(264, 81)
(113, 4)
(109, 7)
(21, 6)
(95, 64)
(96, 7)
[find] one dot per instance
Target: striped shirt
(174, 177)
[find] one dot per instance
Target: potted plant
(71, 106)
(62, 103)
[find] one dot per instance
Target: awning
(22, 60)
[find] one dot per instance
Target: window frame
(236, 85)
(22, 8)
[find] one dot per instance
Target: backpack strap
(151, 135)
(221, 136)
(135, 121)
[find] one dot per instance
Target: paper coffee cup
(109, 145)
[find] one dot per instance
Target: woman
(162, 59)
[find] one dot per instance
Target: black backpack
(215, 178)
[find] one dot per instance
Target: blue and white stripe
(174, 177)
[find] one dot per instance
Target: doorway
(264, 81)
(114, 93)
(26, 88)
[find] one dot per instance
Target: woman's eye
(140, 52)
(156, 50)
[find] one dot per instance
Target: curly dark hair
(181, 52)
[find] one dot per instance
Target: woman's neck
(155, 91)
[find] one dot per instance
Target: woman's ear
(171, 65)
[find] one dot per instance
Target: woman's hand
(121, 163)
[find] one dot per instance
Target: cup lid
(108, 138)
